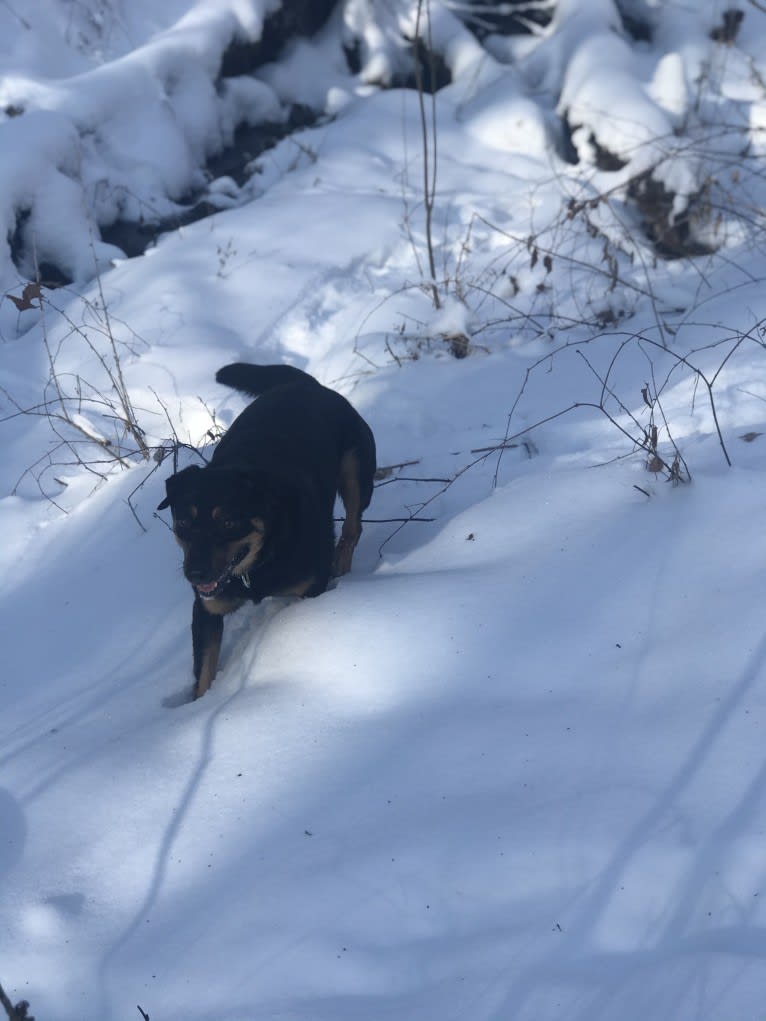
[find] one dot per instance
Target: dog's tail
(256, 379)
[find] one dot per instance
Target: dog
(257, 520)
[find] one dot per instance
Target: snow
(512, 765)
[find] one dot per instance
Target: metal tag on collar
(245, 578)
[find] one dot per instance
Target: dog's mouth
(211, 589)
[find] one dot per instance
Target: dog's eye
(182, 523)
(230, 525)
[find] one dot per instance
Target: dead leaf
(30, 292)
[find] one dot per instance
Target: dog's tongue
(207, 587)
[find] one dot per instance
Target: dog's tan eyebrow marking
(216, 513)
(193, 511)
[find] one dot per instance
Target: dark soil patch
(672, 236)
(293, 18)
(513, 17)
(134, 237)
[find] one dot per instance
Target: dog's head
(221, 518)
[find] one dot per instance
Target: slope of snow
(511, 766)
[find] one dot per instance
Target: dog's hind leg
(351, 492)
(207, 631)
(355, 484)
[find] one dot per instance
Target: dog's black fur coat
(258, 520)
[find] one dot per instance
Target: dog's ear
(175, 485)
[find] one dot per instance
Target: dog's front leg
(207, 631)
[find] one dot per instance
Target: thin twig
(429, 170)
(17, 1012)
(388, 521)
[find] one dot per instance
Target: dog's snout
(197, 566)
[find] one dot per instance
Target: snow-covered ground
(511, 768)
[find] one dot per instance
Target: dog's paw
(344, 553)
(179, 698)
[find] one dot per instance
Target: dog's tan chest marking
(219, 605)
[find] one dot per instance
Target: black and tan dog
(258, 520)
